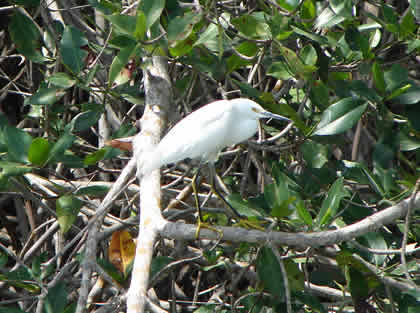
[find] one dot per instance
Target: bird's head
(251, 109)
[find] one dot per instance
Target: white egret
(205, 132)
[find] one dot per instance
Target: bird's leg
(200, 222)
(241, 220)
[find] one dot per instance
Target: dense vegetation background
(346, 72)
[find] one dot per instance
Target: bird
(203, 134)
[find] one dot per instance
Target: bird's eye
(255, 110)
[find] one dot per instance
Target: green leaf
(308, 55)
(312, 301)
(390, 18)
(111, 270)
(95, 157)
(26, 36)
(294, 275)
(152, 10)
(328, 19)
(410, 96)
(356, 89)
(342, 7)
(308, 10)
(319, 94)
(376, 241)
(278, 198)
(315, 154)
(340, 117)
(56, 299)
(252, 26)
(331, 203)
(317, 38)
(408, 25)
(67, 206)
(378, 77)
(61, 80)
(106, 6)
(3, 259)
(408, 143)
(57, 151)
(279, 26)
(83, 121)
(71, 308)
(45, 96)
(242, 206)
(357, 41)
(396, 77)
(209, 34)
(18, 143)
(303, 213)
(158, 263)
(95, 191)
(280, 70)
(399, 91)
(70, 48)
(14, 169)
(182, 47)
(123, 24)
(295, 64)
(141, 26)
(246, 48)
(10, 309)
(354, 167)
(71, 160)
(119, 62)
(21, 278)
(181, 27)
(39, 151)
(415, 6)
(289, 5)
(269, 272)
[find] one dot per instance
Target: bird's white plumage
(206, 131)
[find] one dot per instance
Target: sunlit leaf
(45, 96)
(246, 48)
(141, 26)
(39, 151)
(95, 157)
(13, 169)
(340, 117)
(242, 206)
(288, 5)
(181, 27)
(62, 80)
(409, 96)
(98, 191)
(152, 10)
(331, 203)
(123, 24)
(252, 27)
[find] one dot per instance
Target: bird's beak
(266, 114)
